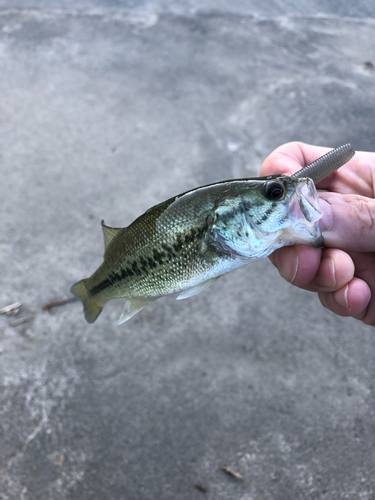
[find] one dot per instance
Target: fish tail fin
(91, 307)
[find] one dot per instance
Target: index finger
(355, 177)
(291, 157)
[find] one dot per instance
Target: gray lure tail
(327, 164)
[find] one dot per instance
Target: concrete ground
(107, 108)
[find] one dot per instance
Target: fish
(187, 242)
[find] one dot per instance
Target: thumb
(348, 221)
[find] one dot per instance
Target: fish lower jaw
(319, 242)
(300, 235)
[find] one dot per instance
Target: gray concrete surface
(107, 108)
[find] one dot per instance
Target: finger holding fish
(357, 297)
(351, 178)
(314, 269)
(290, 158)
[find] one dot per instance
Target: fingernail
(287, 263)
(341, 297)
(272, 258)
(326, 276)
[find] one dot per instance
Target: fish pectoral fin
(132, 306)
(109, 233)
(194, 290)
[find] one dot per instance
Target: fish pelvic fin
(194, 290)
(132, 306)
(91, 307)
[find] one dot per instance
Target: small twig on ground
(10, 308)
(57, 303)
(200, 487)
(231, 472)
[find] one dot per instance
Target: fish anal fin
(194, 290)
(109, 233)
(132, 306)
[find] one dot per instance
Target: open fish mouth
(304, 214)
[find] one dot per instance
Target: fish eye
(274, 190)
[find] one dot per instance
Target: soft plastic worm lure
(327, 164)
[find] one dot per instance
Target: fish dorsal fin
(109, 233)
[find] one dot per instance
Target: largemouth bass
(185, 243)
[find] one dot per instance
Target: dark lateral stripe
(100, 287)
(151, 263)
(121, 275)
(159, 257)
(178, 246)
(169, 251)
(145, 265)
(136, 269)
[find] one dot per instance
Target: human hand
(343, 272)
